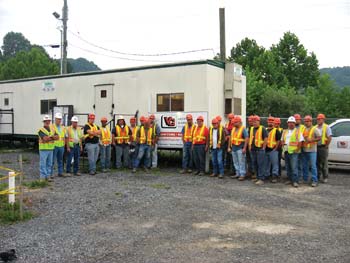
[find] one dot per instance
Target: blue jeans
(258, 163)
(300, 163)
(122, 150)
(45, 163)
(218, 164)
(58, 153)
(199, 157)
(74, 153)
(133, 156)
(292, 166)
(187, 156)
(309, 159)
(105, 156)
(92, 151)
(155, 156)
(239, 161)
(144, 151)
(272, 163)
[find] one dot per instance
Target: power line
(142, 55)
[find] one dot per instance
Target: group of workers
(253, 151)
(257, 151)
(134, 145)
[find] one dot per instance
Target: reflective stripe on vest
(134, 133)
(198, 135)
(220, 131)
(61, 140)
(271, 139)
(237, 136)
(106, 137)
(93, 127)
(122, 135)
(309, 133)
(143, 135)
(50, 145)
(188, 134)
(324, 139)
(71, 136)
(258, 142)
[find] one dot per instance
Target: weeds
(160, 186)
(36, 184)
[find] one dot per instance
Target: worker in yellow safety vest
(277, 125)
(46, 138)
(105, 145)
(74, 146)
(156, 134)
(145, 140)
(187, 138)
(122, 137)
(217, 144)
(58, 152)
(292, 139)
(133, 144)
(200, 145)
(301, 128)
(92, 135)
(322, 148)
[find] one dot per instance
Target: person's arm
(265, 138)
(67, 137)
(207, 139)
(329, 136)
(113, 135)
(278, 140)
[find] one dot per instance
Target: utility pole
(222, 34)
(64, 37)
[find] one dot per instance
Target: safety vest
(293, 140)
(198, 133)
(106, 137)
(220, 130)
(258, 142)
(309, 133)
(301, 128)
(143, 135)
(324, 139)
(154, 129)
(71, 136)
(271, 139)
(93, 127)
(188, 133)
(134, 133)
(237, 135)
(61, 140)
(122, 135)
(280, 129)
(50, 145)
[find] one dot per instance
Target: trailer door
(104, 101)
(6, 113)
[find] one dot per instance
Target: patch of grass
(118, 194)
(36, 184)
(160, 186)
(25, 160)
(6, 162)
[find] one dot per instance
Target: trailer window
(46, 106)
(104, 93)
(6, 101)
(228, 106)
(170, 102)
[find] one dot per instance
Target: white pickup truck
(339, 149)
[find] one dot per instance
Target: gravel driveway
(167, 217)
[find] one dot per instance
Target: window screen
(46, 106)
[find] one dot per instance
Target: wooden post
(20, 187)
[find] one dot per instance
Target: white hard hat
(74, 119)
(291, 119)
(58, 115)
(46, 118)
(120, 117)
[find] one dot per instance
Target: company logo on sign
(168, 122)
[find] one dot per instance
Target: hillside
(341, 75)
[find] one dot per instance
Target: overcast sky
(165, 26)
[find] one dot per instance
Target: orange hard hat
(321, 116)
(91, 116)
(142, 118)
(237, 119)
(256, 118)
(307, 118)
(270, 119)
(297, 117)
(214, 121)
(218, 118)
(104, 119)
(200, 118)
(132, 119)
(277, 121)
(152, 117)
(189, 117)
(230, 116)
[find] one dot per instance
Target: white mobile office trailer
(205, 86)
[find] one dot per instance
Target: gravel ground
(167, 217)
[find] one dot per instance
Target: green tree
(245, 53)
(13, 43)
(28, 64)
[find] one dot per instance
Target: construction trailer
(170, 91)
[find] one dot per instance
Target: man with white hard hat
(74, 136)
(46, 147)
(292, 139)
(58, 152)
(122, 136)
